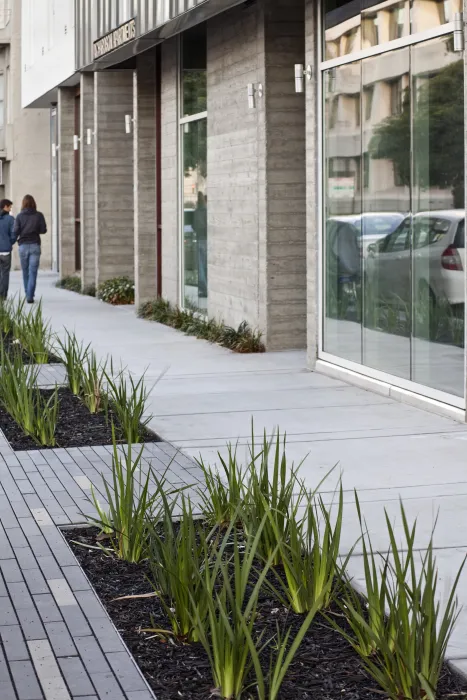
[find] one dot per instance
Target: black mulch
(76, 426)
(325, 667)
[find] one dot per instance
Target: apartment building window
(396, 96)
(193, 178)
(368, 93)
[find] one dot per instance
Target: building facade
(293, 164)
(24, 135)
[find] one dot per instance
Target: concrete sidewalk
(208, 397)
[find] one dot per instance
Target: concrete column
(145, 178)
(284, 254)
(87, 184)
(66, 181)
(256, 172)
(169, 172)
(312, 160)
(113, 164)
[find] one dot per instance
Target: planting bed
(76, 427)
(325, 667)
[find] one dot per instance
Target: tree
(438, 134)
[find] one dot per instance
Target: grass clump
(21, 398)
(33, 332)
(243, 339)
(117, 291)
(128, 398)
(134, 500)
(399, 627)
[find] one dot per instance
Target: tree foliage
(438, 133)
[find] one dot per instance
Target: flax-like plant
(92, 379)
(374, 607)
(232, 589)
(178, 553)
(310, 557)
(223, 490)
(72, 353)
(20, 396)
(6, 316)
(134, 500)
(286, 651)
(34, 334)
(128, 398)
(410, 643)
(274, 488)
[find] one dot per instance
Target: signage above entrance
(116, 38)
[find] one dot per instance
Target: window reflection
(194, 154)
(439, 213)
(343, 152)
(354, 26)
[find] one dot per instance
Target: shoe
(30, 301)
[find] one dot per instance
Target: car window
(399, 240)
(429, 230)
(459, 241)
(380, 225)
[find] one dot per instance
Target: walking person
(29, 227)
(7, 241)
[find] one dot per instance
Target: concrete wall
(169, 172)
(233, 60)
(113, 152)
(256, 171)
(312, 208)
(88, 185)
(145, 179)
(29, 144)
(66, 181)
(283, 248)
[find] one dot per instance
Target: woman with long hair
(29, 227)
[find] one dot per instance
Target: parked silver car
(428, 248)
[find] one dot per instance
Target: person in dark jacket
(29, 227)
(7, 241)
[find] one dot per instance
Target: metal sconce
(300, 74)
(128, 122)
(76, 140)
(459, 31)
(253, 91)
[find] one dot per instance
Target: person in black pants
(7, 241)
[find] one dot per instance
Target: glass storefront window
(195, 225)
(193, 130)
(343, 201)
(394, 221)
(194, 76)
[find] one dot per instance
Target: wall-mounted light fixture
(76, 140)
(128, 122)
(459, 31)
(89, 135)
(253, 92)
(300, 74)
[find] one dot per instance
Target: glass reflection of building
(394, 183)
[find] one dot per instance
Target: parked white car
(372, 226)
(436, 243)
